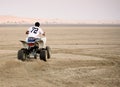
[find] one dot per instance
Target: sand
(81, 57)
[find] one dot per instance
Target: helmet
(37, 24)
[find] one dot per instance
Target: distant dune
(21, 20)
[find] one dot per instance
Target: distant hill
(21, 20)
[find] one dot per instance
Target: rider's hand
(44, 34)
(27, 32)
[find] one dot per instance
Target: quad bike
(32, 49)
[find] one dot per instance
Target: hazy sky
(65, 9)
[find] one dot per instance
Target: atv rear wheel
(43, 55)
(48, 52)
(21, 55)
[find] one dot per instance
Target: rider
(36, 32)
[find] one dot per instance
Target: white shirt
(35, 32)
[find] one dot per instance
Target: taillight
(30, 44)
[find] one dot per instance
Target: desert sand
(81, 57)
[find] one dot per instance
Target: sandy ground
(81, 57)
